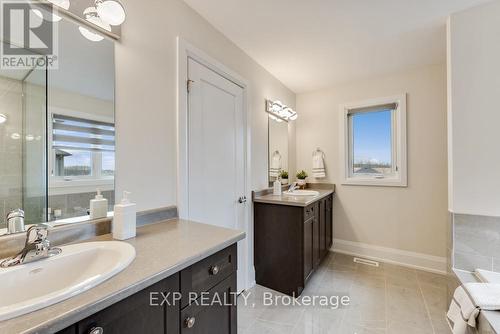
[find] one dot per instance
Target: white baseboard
(414, 260)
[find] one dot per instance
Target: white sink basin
(301, 193)
(32, 286)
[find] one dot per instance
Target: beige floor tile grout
(425, 303)
(386, 305)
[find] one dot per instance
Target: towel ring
(318, 150)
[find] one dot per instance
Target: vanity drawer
(207, 273)
(214, 313)
(310, 211)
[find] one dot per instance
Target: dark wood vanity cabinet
(198, 311)
(290, 243)
(135, 314)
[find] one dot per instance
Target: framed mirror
(57, 132)
(278, 149)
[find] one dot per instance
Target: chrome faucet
(15, 221)
(293, 187)
(37, 247)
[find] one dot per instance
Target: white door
(216, 153)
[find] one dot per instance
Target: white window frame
(399, 177)
(62, 185)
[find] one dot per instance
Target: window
(374, 142)
(83, 151)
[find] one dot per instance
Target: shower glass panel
(23, 144)
(34, 146)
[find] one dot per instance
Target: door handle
(242, 199)
(189, 322)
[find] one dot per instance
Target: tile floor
(385, 300)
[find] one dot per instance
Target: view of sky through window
(372, 136)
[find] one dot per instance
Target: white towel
(462, 313)
(275, 168)
(318, 164)
(468, 300)
(486, 296)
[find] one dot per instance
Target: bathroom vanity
(293, 234)
(174, 259)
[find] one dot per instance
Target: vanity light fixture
(110, 11)
(92, 16)
(104, 14)
(3, 118)
(278, 111)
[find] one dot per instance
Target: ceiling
(313, 44)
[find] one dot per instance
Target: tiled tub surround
(476, 242)
(388, 300)
(162, 249)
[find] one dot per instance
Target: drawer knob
(189, 322)
(96, 330)
(214, 270)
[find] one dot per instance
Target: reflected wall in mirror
(81, 140)
(57, 134)
(278, 148)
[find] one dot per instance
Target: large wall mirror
(278, 149)
(57, 133)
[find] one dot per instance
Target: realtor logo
(29, 37)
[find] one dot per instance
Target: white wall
(411, 219)
(474, 113)
(146, 97)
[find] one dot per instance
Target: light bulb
(15, 136)
(284, 112)
(29, 137)
(111, 12)
(92, 16)
(90, 35)
(277, 107)
(53, 17)
(294, 116)
(61, 3)
(3, 118)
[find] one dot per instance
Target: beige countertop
(293, 200)
(162, 249)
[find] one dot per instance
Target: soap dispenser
(98, 206)
(277, 187)
(124, 221)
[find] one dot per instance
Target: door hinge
(188, 85)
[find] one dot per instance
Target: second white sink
(32, 286)
(301, 193)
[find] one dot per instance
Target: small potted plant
(284, 177)
(301, 178)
